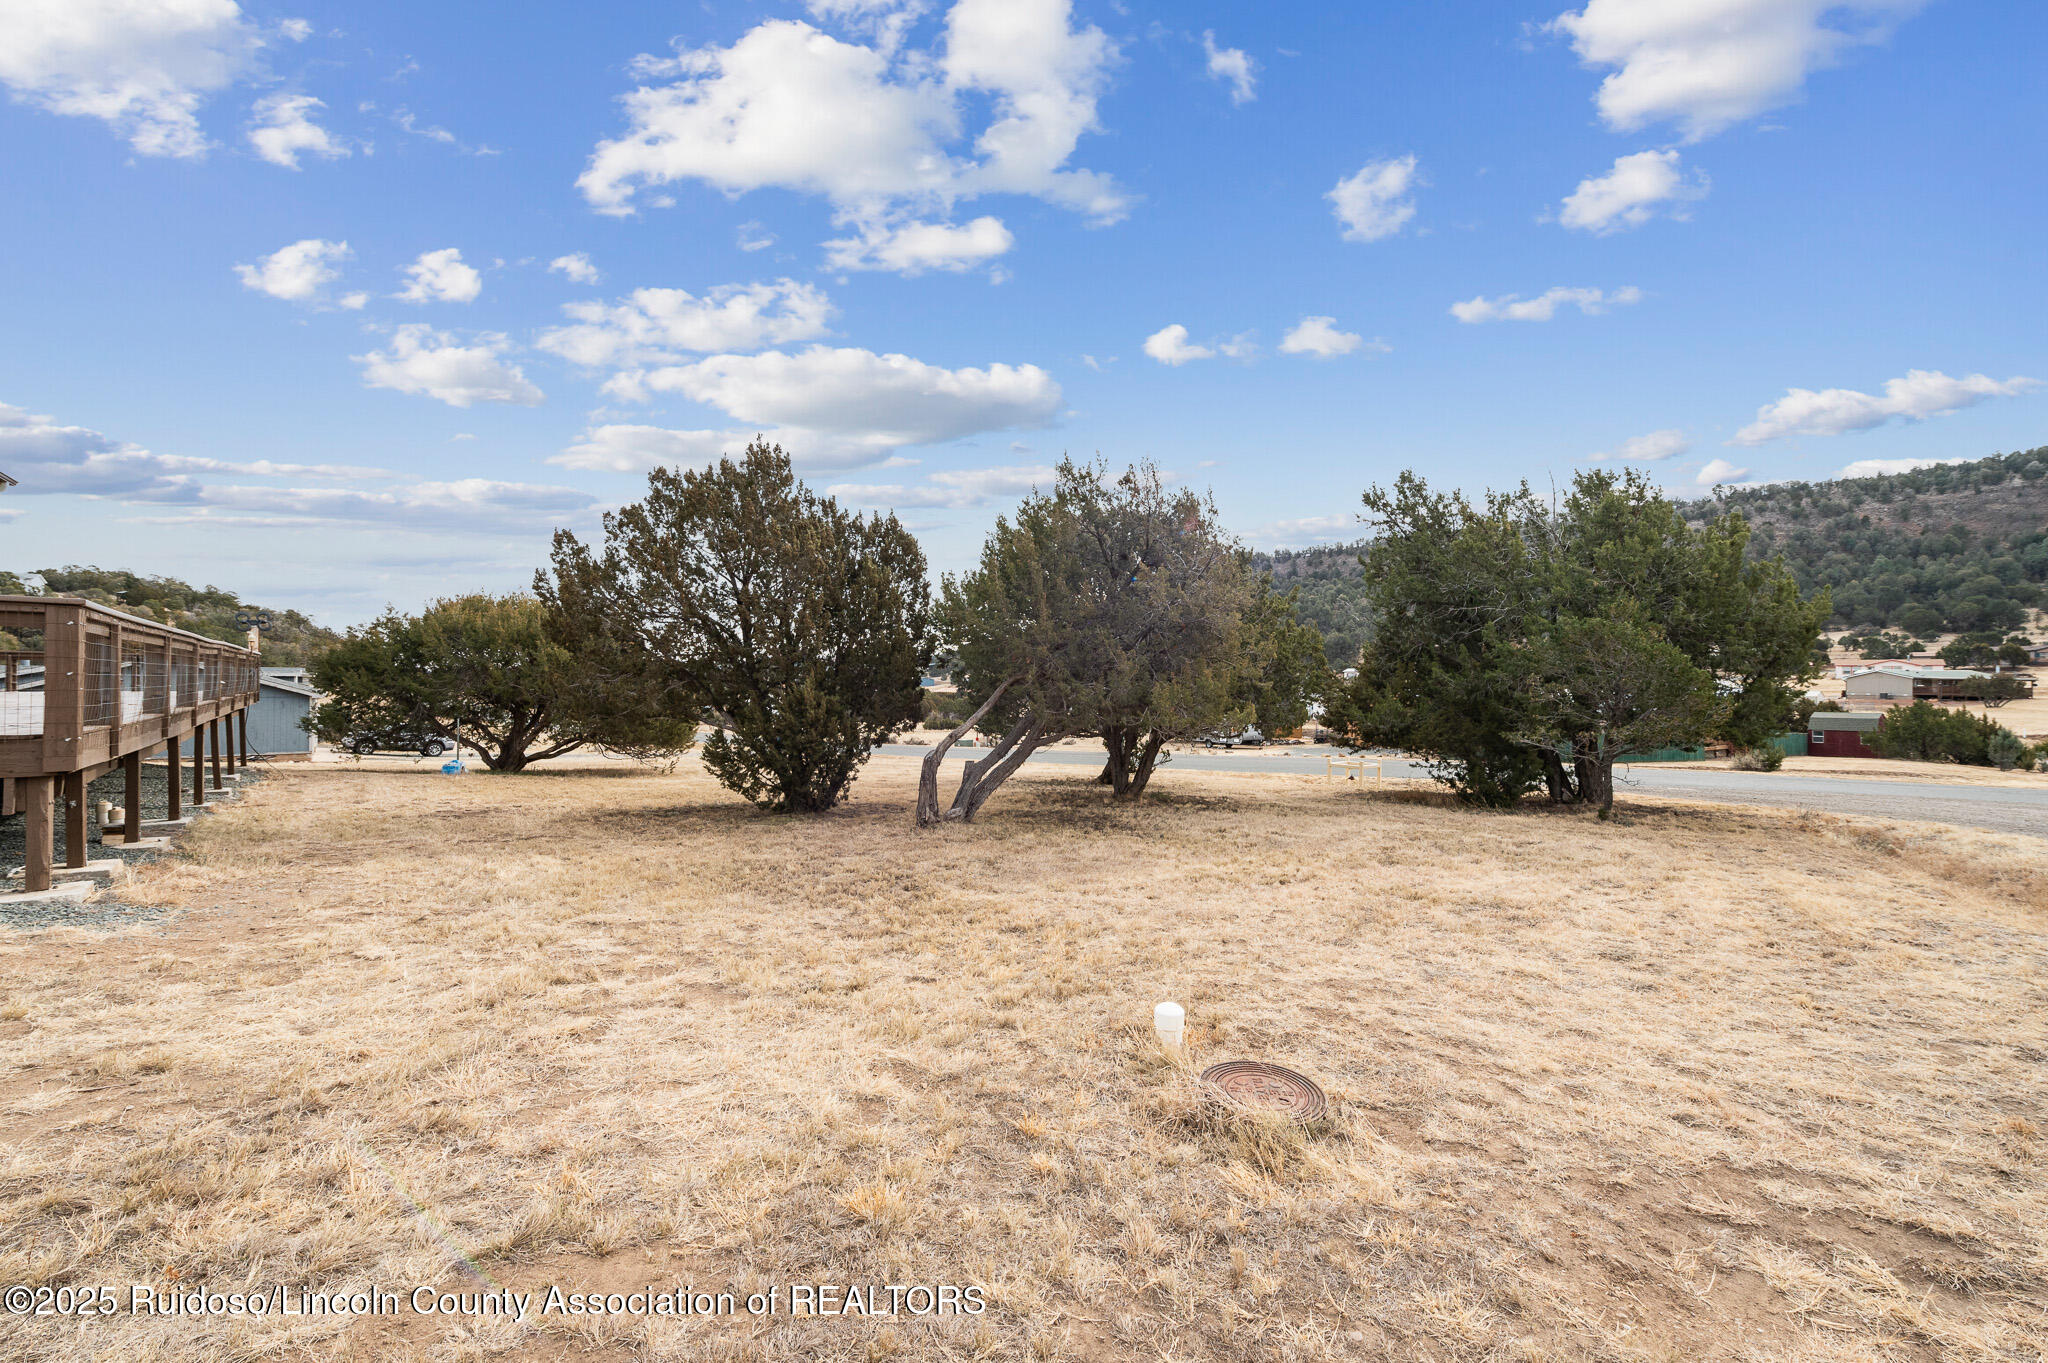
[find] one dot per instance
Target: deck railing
(96, 684)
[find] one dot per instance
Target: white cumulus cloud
(1632, 192)
(885, 136)
(430, 363)
(954, 490)
(440, 276)
(1305, 530)
(911, 248)
(1719, 471)
(283, 130)
(1647, 449)
(1374, 203)
(1234, 68)
(1169, 345)
(53, 458)
(651, 326)
(300, 272)
(144, 67)
(576, 268)
(625, 448)
(1872, 468)
(1515, 308)
(48, 457)
(1922, 393)
(886, 21)
(1319, 336)
(1709, 64)
(842, 407)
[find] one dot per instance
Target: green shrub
(1925, 732)
(2006, 750)
(1766, 758)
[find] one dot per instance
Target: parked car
(1248, 737)
(363, 743)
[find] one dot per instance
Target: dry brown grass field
(1704, 1083)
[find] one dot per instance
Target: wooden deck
(95, 689)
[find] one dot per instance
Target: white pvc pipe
(1169, 1019)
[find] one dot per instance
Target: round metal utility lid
(1255, 1086)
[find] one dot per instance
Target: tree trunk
(928, 815)
(984, 776)
(1556, 780)
(1121, 746)
(1596, 782)
(1148, 761)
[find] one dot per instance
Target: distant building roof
(295, 687)
(1826, 721)
(5, 481)
(1915, 670)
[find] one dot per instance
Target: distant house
(1841, 735)
(2037, 653)
(286, 698)
(1903, 681)
(283, 699)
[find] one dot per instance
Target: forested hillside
(1955, 547)
(289, 640)
(1331, 597)
(1950, 549)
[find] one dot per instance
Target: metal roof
(1914, 670)
(1826, 721)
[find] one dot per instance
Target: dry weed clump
(1702, 1083)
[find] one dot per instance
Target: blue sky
(340, 306)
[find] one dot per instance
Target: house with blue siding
(284, 698)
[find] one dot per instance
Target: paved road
(2003, 809)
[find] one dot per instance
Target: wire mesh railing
(21, 694)
(101, 699)
(88, 675)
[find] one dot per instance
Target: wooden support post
(243, 717)
(42, 832)
(176, 774)
(213, 749)
(74, 819)
(131, 767)
(63, 686)
(198, 737)
(227, 742)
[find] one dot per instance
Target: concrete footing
(142, 844)
(71, 890)
(158, 828)
(106, 871)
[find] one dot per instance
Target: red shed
(1842, 735)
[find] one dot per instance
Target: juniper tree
(1520, 643)
(490, 673)
(1119, 610)
(797, 629)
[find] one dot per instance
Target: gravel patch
(105, 910)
